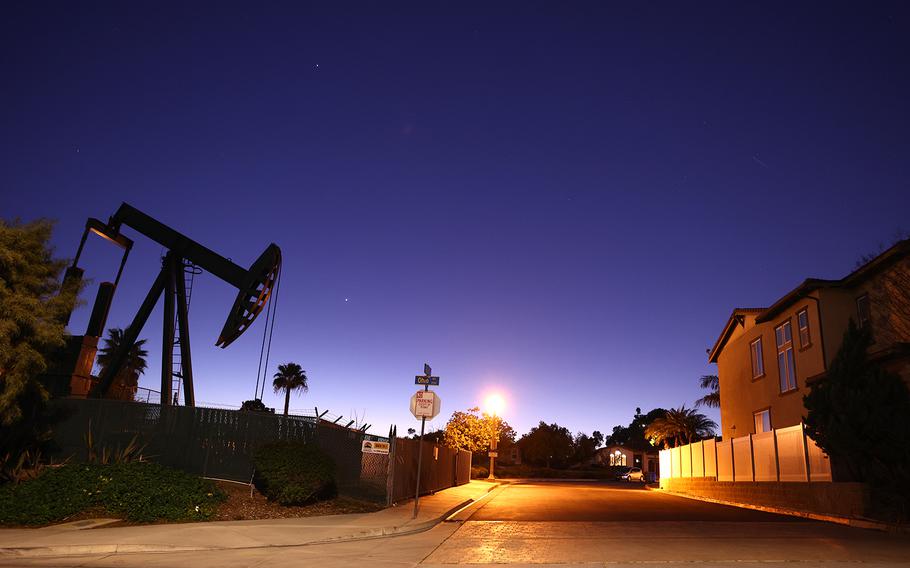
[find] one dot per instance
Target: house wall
(741, 395)
(830, 310)
(646, 460)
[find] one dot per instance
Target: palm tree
(289, 377)
(680, 426)
(712, 399)
(126, 382)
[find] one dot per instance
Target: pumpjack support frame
(254, 286)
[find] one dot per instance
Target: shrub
(479, 472)
(136, 491)
(255, 405)
(294, 473)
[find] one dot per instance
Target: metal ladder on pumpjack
(190, 271)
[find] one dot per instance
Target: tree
(473, 431)
(584, 447)
(712, 399)
(126, 382)
(633, 435)
(859, 414)
(547, 444)
(290, 377)
(679, 426)
(254, 405)
(434, 437)
(34, 307)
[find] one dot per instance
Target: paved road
(621, 524)
(589, 524)
(608, 502)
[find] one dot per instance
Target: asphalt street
(558, 523)
(548, 501)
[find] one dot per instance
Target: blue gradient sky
(561, 202)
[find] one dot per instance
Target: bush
(294, 473)
(255, 405)
(480, 472)
(137, 491)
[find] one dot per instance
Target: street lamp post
(494, 404)
(494, 442)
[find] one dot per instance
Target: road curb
(379, 532)
(846, 521)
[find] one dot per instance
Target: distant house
(510, 455)
(615, 455)
(766, 357)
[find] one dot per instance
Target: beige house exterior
(616, 455)
(766, 357)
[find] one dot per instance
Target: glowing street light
(494, 405)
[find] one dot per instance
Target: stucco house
(616, 455)
(766, 357)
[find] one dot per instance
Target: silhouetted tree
(254, 405)
(547, 444)
(633, 435)
(584, 447)
(712, 399)
(680, 426)
(290, 377)
(859, 414)
(126, 382)
(33, 309)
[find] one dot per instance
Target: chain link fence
(220, 443)
(214, 442)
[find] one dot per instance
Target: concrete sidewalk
(66, 540)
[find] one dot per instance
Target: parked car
(634, 474)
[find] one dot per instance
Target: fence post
(802, 427)
(714, 445)
(776, 455)
(752, 456)
(390, 467)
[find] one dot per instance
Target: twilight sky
(559, 201)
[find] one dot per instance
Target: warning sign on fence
(371, 447)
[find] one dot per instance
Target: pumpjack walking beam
(254, 286)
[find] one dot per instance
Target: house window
(762, 420)
(784, 335)
(802, 320)
(758, 365)
(617, 458)
(862, 310)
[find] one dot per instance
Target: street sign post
(424, 404)
(426, 380)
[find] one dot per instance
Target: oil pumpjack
(254, 285)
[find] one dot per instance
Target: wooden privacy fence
(785, 454)
(442, 467)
